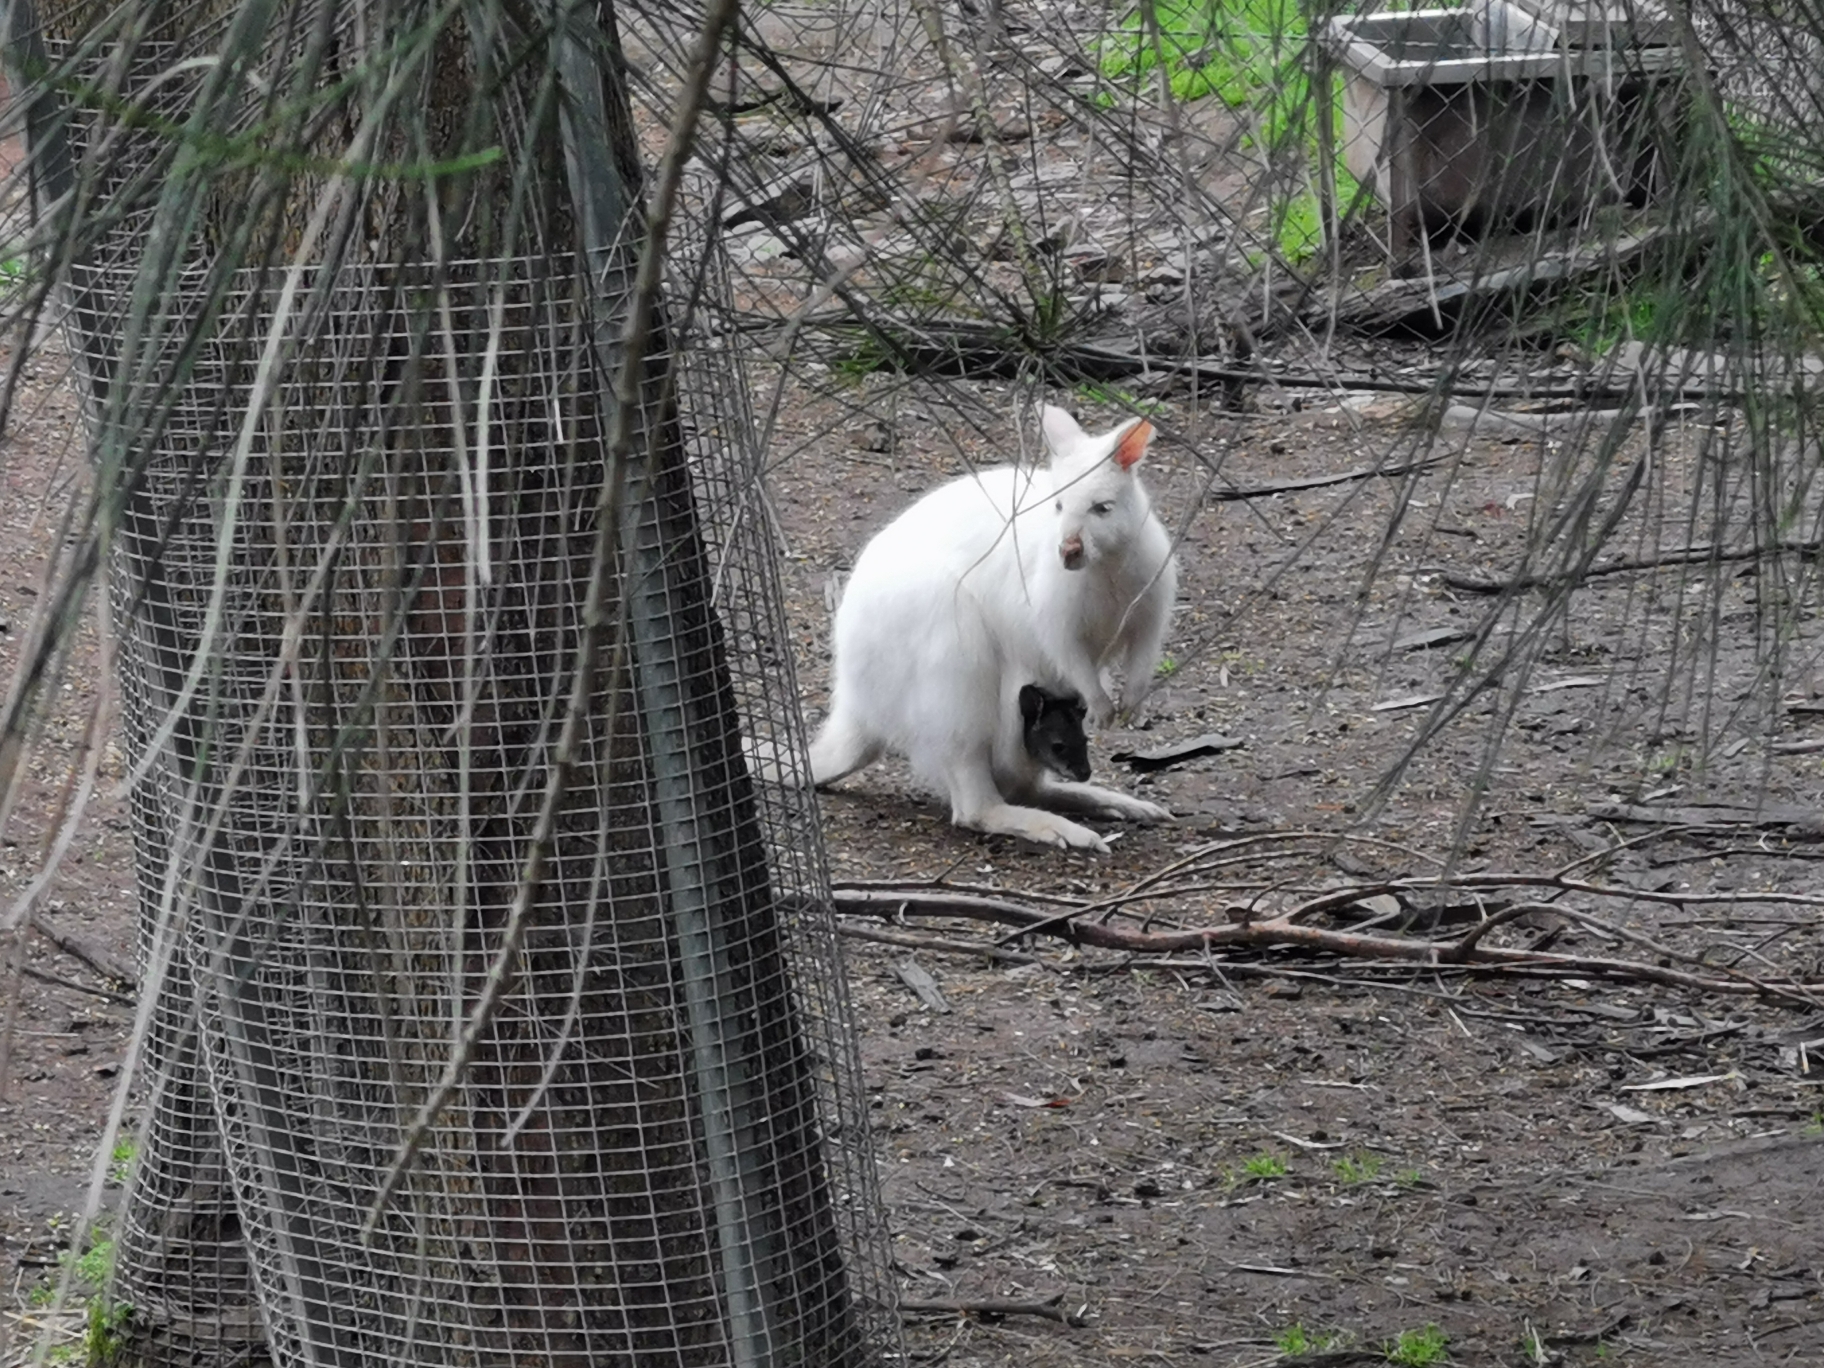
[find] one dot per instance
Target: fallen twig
(103, 964)
(58, 980)
(1709, 817)
(1247, 929)
(936, 944)
(1698, 553)
(1266, 491)
(1049, 1309)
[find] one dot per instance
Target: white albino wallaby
(998, 580)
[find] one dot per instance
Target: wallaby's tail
(840, 748)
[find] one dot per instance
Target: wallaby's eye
(1102, 510)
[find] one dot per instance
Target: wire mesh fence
(494, 1013)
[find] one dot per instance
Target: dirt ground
(70, 1003)
(1197, 1159)
(1201, 1155)
(1216, 1159)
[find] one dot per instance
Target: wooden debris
(916, 977)
(1436, 636)
(1049, 1309)
(1409, 701)
(1711, 815)
(1177, 752)
(1250, 928)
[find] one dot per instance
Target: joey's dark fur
(1053, 725)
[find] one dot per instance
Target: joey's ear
(1061, 431)
(1079, 707)
(1032, 703)
(1135, 438)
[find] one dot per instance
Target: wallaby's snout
(1071, 550)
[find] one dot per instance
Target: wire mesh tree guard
(493, 1009)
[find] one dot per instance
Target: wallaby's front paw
(1134, 809)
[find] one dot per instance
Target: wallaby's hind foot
(841, 748)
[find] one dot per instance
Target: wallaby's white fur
(999, 579)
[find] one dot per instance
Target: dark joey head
(1053, 725)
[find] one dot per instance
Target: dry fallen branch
(97, 959)
(1698, 553)
(1247, 929)
(1267, 491)
(940, 945)
(1049, 1309)
(32, 971)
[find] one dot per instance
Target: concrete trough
(1485, 117)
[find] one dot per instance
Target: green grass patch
(106, 1336)
(1251, 55)
(94, 1265)
(1110, 396)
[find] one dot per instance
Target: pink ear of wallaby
(1133, 444)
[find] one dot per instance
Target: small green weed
(864, 359)
(92, 1267)
(1813, 1128)
(1295, 1339)
(1411, 1177)
(120, 1161)
(1359, 1168)
(1264, 1166)
(1089, 392)
(106, 1336)
(1167, 667)
(1611, 321)
(1418, 1348)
